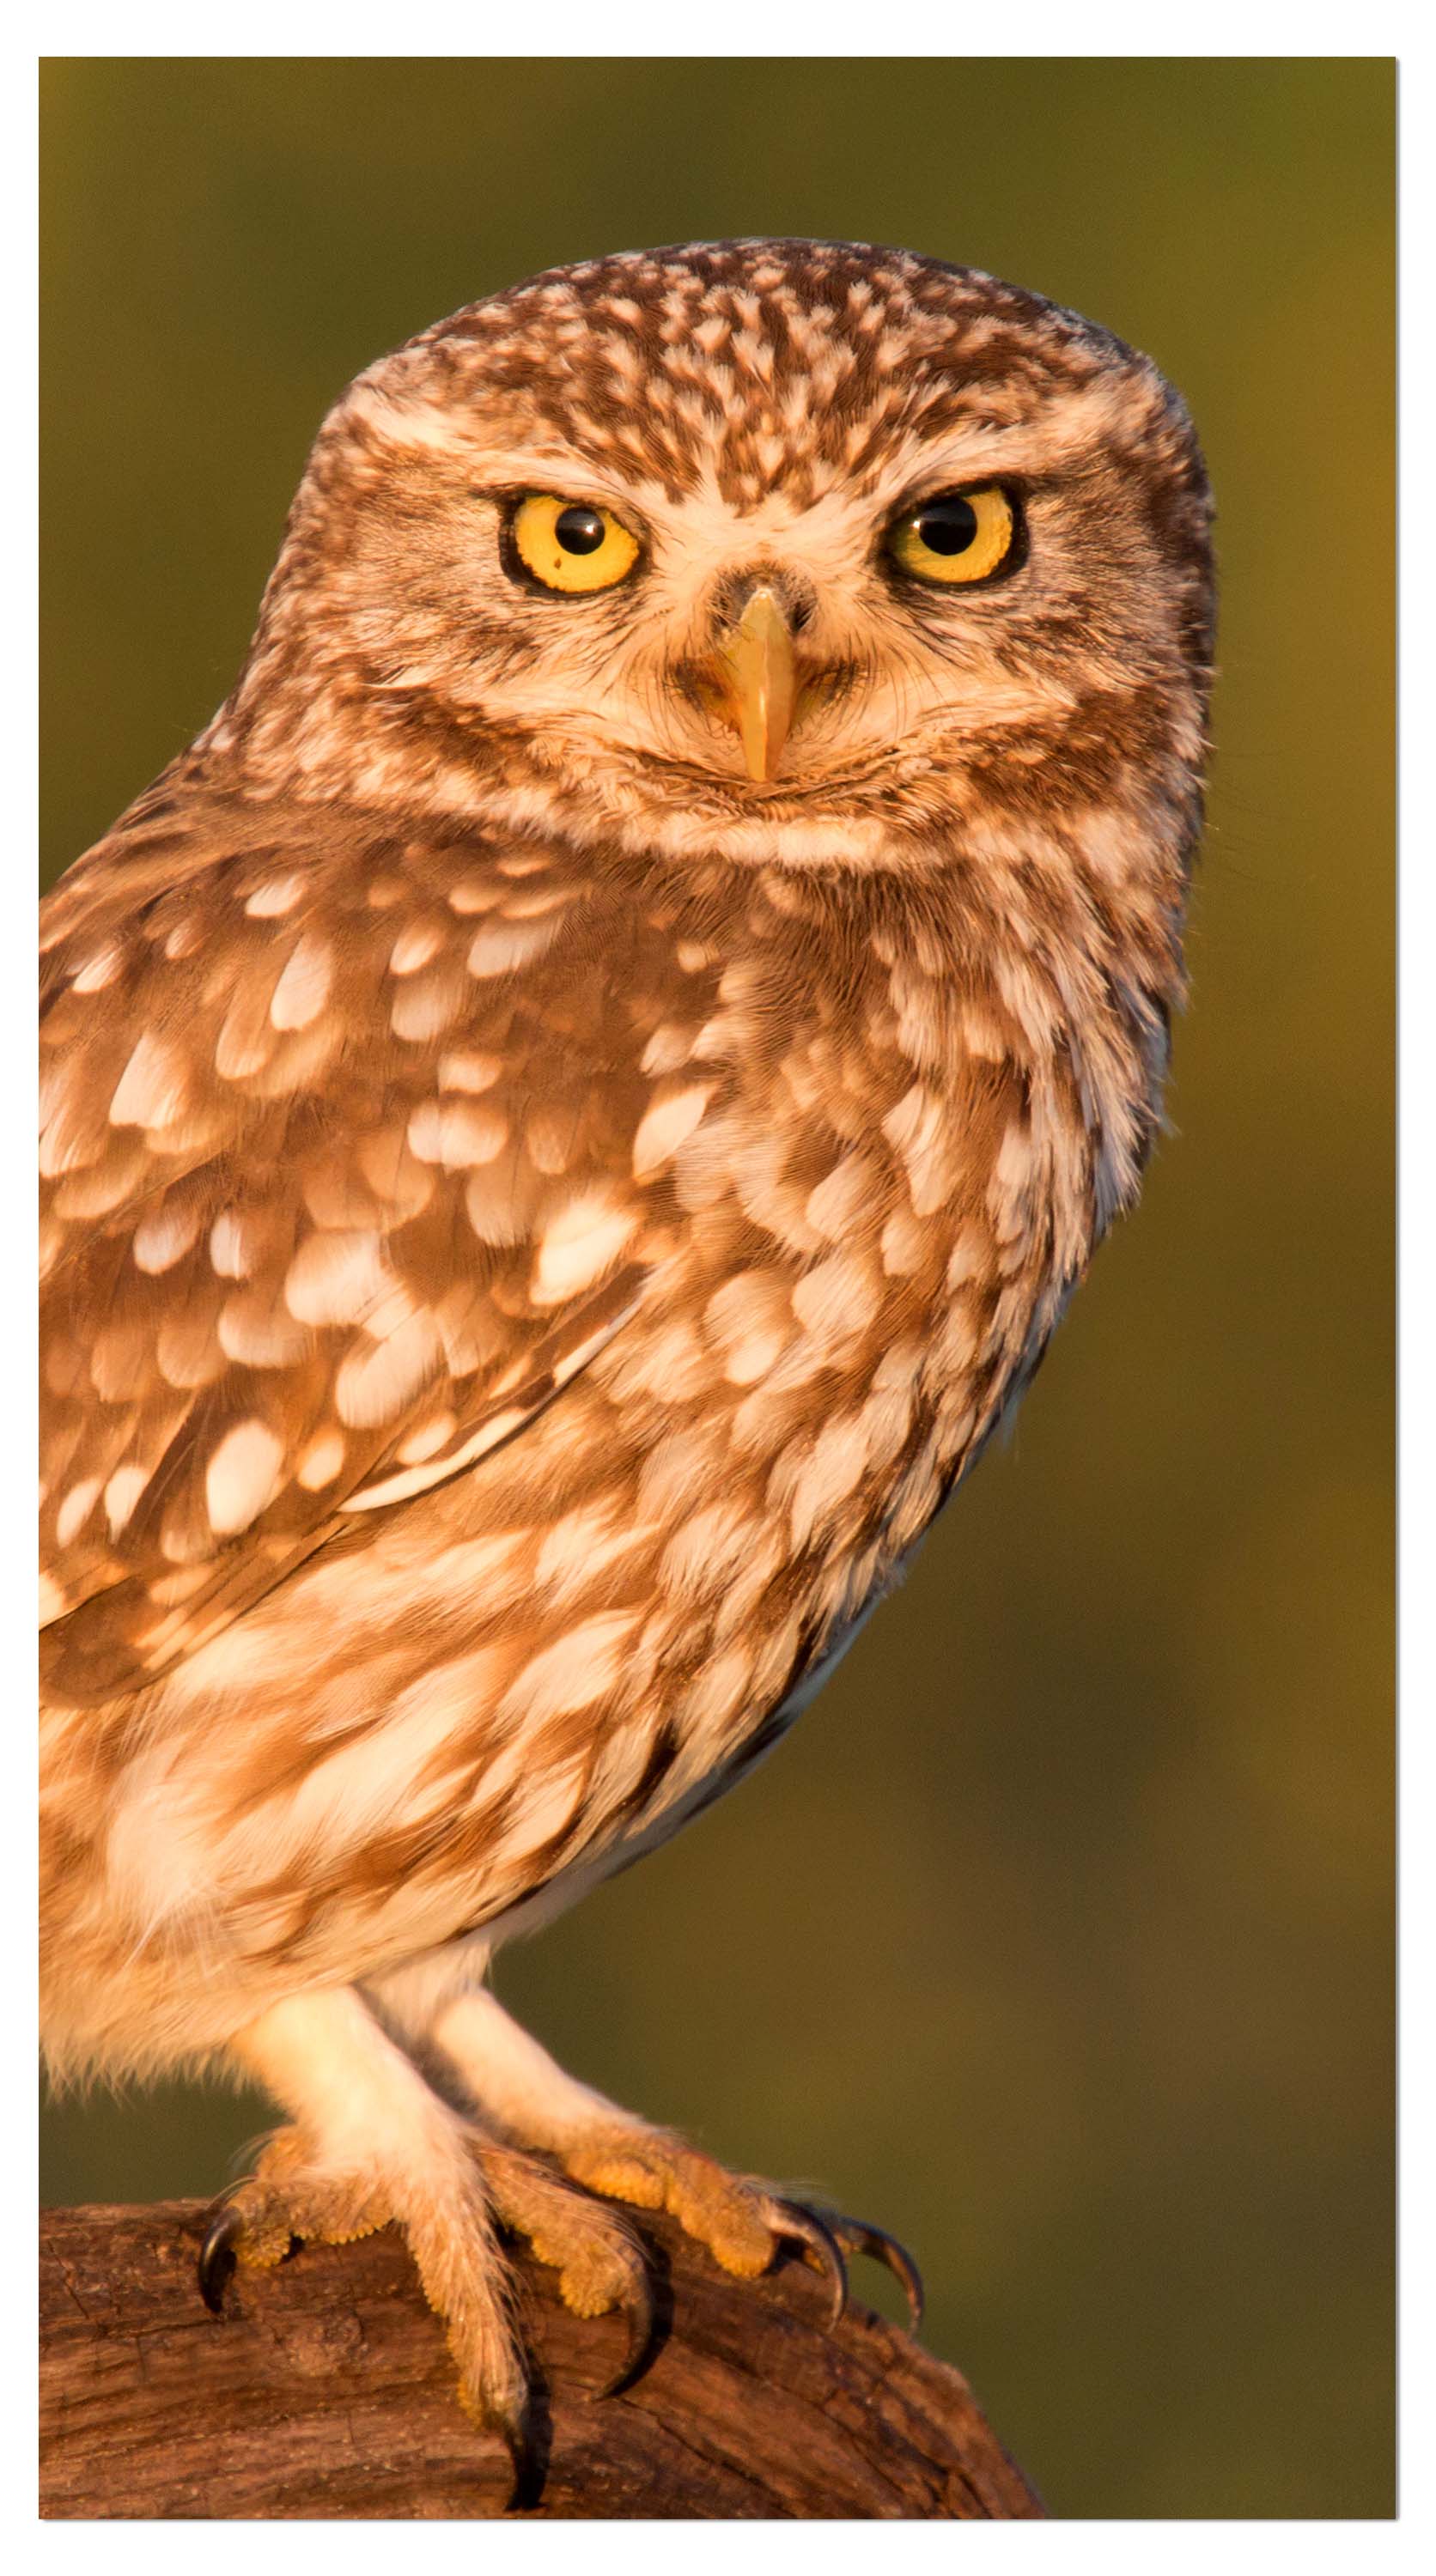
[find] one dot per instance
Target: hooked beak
(753, 666)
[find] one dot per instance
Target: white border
(749, 27)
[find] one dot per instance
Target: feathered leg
(373, 2142)
(521, 2092)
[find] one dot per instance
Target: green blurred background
(1059, 1935)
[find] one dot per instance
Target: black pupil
(947, 526)
(579, 531)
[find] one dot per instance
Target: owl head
(781, 549)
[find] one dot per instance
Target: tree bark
(325, 2392)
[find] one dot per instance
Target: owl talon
(820, 2245)
(526, 2460)
(510, 2418)
(217, 2255)
(641, 2313)
(859, 2236)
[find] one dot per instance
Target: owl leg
(521, 2091)
(372, 2142)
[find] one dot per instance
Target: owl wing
(349, 1164)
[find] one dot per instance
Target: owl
(570, 1115)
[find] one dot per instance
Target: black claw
(525, 2460)
(642, 2315)
(860, 2237)
(820, 2246)
(216, 2255)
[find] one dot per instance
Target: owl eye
(956, 536)
(571, 545)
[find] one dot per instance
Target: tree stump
(325, 2392)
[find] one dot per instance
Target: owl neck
(1012, 983)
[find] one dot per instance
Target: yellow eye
(956, 536)
(571, 545)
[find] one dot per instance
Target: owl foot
(516, 2087)
(599, 2262)
(445, 2217)
(285, 2200)
(739, 2220)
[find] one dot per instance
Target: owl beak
(753, 666)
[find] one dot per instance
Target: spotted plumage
(567, 1122)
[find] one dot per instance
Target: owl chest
(868, 1274)
(844, 1386)
(870, 1263)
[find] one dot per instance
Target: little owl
(570, 1114)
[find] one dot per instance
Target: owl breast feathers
(573, 1109)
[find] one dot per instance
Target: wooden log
(325, 2391)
